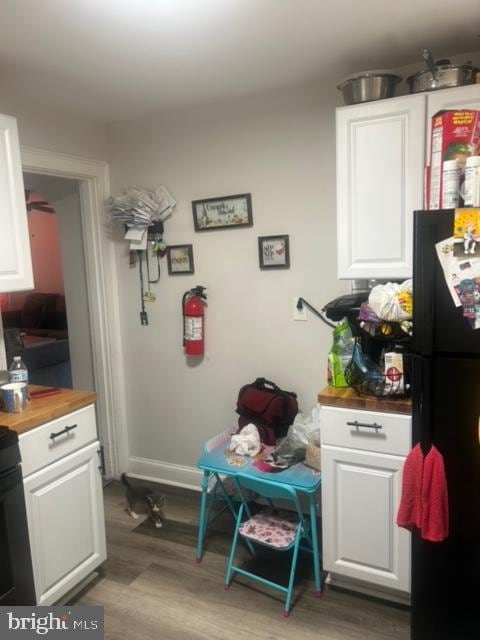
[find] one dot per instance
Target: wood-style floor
(152, 589)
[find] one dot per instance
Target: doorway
(58, 345)
(49, 327)
(92, 180)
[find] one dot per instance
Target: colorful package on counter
(340, 355)
(394, 373)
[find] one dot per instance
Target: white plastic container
(471, 169)
(476, 188)
(450, 184)
(18, 371)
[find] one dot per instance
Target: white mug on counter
(15, 397)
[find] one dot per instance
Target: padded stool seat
(275, 528)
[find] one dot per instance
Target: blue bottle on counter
(18, 371)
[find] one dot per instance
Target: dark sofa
(38, 333)
(43, 314)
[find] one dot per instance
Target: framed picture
(273, 252)
(180, 259)
(223, 213)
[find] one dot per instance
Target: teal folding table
(299, 477)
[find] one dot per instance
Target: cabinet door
(467, 97)
(65, 522)
(360, 497)
(15, 259)
(380, 164)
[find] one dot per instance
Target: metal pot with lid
(441, 75)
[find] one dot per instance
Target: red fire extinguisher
(193, 309)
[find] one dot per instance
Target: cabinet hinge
(102, 460)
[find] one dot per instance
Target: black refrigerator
(446, 412)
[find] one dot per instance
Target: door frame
(102, 292)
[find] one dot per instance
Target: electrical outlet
(299, 314)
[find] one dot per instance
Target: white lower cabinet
(362, 461)
(360, 497)
(64, 501)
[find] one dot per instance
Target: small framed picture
(180, 259)
(223, 213)
(273, 252)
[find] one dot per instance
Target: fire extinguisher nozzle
(199, 291)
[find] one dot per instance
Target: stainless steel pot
(368, 86)
(441, 75)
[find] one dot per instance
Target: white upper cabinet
(380, 164)
(15, 260)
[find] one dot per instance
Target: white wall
(53, 129)
(64, 197)
(75, 281)
(281, 148)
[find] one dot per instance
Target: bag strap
(263, 383)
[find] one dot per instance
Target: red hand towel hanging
(424, 502)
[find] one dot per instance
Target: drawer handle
(63, 431)
(364, 424)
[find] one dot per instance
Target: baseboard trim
(176, 475)
(383, 593)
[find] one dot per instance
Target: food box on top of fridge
(455, 136)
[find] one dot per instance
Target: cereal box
(455, 136)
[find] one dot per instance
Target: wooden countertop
(42, 410)
(347, 398)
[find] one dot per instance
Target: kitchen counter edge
(43, 410)
(347, 398)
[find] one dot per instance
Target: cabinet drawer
(71, 432)
(355, 429)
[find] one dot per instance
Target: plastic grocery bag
(392, 301)
(305, 430)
